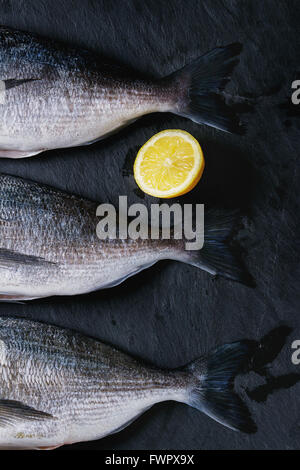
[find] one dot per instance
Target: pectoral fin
(9, 257)
(13, 411)
(12, 82)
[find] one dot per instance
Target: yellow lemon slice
(170, 164)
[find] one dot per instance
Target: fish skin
(58, 387)
(55, 96)
(49, 245)
(88, 389)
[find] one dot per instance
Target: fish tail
(212, 389)
(199, 86)
(216, 256)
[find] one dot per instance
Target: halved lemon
(170, 164)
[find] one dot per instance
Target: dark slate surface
(173, 313)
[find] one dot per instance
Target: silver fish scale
(71, 97)
(89, 388)
(60, 231)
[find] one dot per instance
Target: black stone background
(172, 313)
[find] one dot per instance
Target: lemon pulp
(170, 164)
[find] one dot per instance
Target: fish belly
(98, 416)
(45, 124)
(58, 387)
(65, 111)
(26, 282)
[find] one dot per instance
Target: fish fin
(212, 392)
(202, 83)
(18, 153)
(13, 411)
(216, 257)
(12, 82)
(8, 257)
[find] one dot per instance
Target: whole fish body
(58, 387)
(54, 96)
(49, 245)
